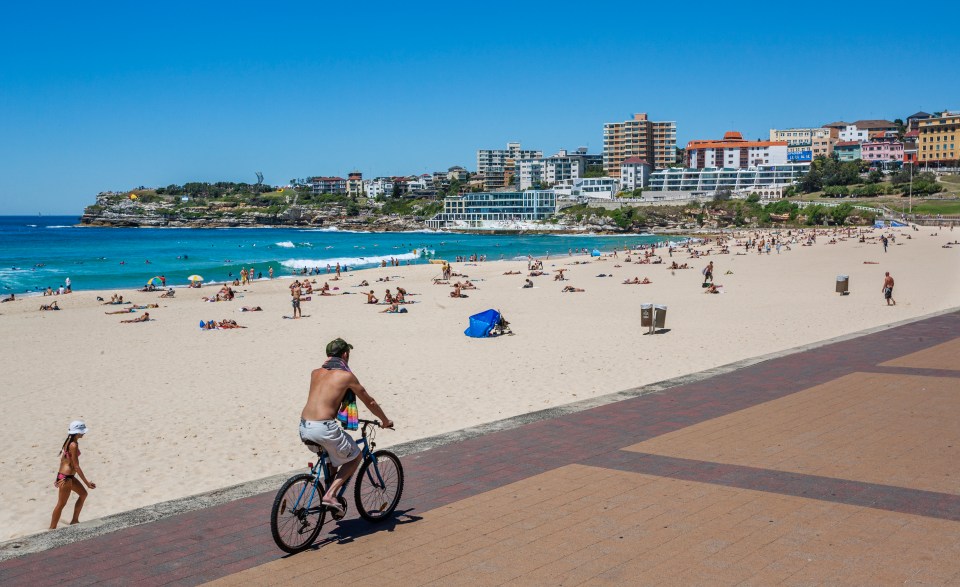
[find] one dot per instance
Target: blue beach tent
(481, 324)
(896, 224)
(595, 253)
(879, 224)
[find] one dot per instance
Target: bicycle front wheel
(379, 486)
(297, 514)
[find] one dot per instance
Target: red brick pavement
(199, 546)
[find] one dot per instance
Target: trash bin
(646, 315)
(843, 284)
(660, 316)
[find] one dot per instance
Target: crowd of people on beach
(700, 253)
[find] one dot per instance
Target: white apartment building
(713, 179)
(378, 188)
(499, 160)
(733, 152)
(852, 133)
(556, 168)
(588, 187)
(634, 174)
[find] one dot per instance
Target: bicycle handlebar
(374, 422)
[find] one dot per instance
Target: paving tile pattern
(900, 430)
(587, 525)
(200, 546)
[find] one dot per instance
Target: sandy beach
(175, 410)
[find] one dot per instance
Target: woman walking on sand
(69, 471)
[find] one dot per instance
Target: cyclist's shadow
(349, 529)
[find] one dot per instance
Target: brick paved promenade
(833, 465)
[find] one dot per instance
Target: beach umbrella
(195, 278)
(155, 281)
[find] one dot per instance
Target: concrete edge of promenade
(47, 540)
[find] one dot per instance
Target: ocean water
(37, 252)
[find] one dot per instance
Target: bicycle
(298, 515)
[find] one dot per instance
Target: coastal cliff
(146, 208)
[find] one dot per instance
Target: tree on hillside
(594, 171)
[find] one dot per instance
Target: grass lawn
(952, 179)
(945, 207)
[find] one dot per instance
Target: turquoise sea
(37, 252)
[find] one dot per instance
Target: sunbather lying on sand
(394, 309)
(571, 289)
(124, 311)
(713, 289)
(48, 307)
(512, 273)
(229, 324)
(144, 318)
(148, 306)
(251, 309)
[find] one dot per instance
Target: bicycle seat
(313, 446)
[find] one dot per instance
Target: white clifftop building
(634, 174)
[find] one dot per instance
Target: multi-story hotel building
(806, 144)
(735, 153)
(939, 138)
(652, 141)
(480, 209)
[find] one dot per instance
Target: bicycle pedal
(339, 516)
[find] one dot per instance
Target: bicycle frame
(323, 464)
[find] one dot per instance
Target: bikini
(64, 478)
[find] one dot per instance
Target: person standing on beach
(270, 272)
(332, 386)
(67, 476)
(888, 289)
(708, 272)
(295, 293)
(883, 239)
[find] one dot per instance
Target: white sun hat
(77, 427)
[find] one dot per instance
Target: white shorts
(340, 446)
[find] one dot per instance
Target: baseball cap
(337, 347)
(77, 427)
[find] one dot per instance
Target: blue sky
(112, 95)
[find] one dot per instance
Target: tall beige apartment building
(654, 142)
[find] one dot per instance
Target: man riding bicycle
(330, 385)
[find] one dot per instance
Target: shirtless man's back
(318, 421)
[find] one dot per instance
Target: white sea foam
(59, 226)
(286, 244)
(348, 261)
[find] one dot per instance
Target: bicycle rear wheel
(377, 495)
(297, 516)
